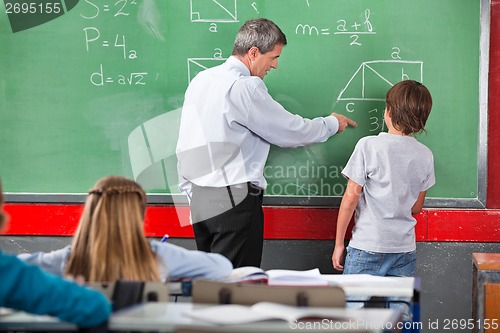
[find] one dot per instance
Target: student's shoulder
(422, 149)
(369, 138)
(367, 141)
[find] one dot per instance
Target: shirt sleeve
(355, 168)
(272, 122)
(53, 262)
(431, 178)
(28, 288)
(184, 263)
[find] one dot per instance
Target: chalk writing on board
(93, 39)
(120, 8)
(372, 79)
(377, 124)
(254, 6)
(213, 11)
(196, 65)
(307, 29)
(136, 78)
(92, 35)
(354, 29)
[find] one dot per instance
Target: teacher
(228, 123)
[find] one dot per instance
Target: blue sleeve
(28, 288)
(184, 263)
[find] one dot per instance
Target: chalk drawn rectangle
(196, 65)
(213, 11)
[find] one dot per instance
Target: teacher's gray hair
(261, 33)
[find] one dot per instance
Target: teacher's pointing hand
(344, 122)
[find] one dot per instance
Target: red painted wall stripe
(280, 223)
(464, 226)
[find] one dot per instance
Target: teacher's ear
(253, 52)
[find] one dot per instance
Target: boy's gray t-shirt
(393, 170)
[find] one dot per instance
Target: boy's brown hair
(409, 103)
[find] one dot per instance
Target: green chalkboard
(90, 88)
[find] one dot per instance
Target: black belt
(252, 190)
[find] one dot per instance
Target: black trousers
(230, 221)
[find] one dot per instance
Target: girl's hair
(109, 243)
(409, 103)
(261, 33)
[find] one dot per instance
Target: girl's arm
(184, 263)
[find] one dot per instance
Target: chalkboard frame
(333, 201)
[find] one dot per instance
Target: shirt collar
(233, 61)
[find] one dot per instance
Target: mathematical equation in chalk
(93, 38)
(96, 38)
(343, 27)
(119, 8)
(99, 78)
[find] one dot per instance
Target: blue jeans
(381, 264)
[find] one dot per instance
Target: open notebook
(277, 277)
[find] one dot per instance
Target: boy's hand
(338, 257)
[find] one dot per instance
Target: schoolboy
(388, 176)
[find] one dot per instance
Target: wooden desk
(486, 292)
(169, 317)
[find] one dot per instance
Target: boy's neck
(390, 127)
(392, 130)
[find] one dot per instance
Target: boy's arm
(347, 207)
(417, 206)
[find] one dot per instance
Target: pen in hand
(164, 239)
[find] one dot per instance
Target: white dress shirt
(228, 123)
